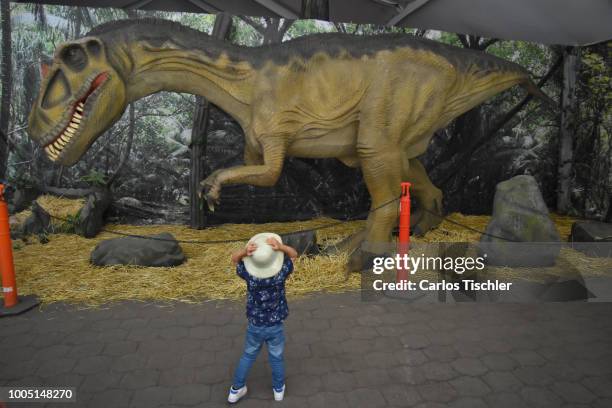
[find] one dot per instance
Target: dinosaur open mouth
(64, 138)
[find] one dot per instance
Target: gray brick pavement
(340, 352)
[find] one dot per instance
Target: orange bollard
(404, 230)
(9, 287)
(12, 304)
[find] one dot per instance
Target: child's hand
(273, 242)
(250, 248)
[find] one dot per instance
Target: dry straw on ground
(60, 270)
(63, 208)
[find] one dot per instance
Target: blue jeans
(274, 338)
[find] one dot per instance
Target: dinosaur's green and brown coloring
(371, 102)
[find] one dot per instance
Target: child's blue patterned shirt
(266, 301)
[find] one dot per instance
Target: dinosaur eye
(74, 56)
(94, 47)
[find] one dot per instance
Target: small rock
(305, 243)
(39, 222)
(161, 250)
(520, 216)
(592, 238)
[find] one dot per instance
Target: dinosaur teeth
(52, 155)
(55, 148)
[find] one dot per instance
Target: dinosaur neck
(224, 79)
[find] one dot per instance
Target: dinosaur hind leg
(382, 175)
(429, 212)
(348, 244)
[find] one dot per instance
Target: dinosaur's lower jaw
(57, 148)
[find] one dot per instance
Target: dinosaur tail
(533, 89)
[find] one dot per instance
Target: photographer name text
(412, 264)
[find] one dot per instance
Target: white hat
(264, 262)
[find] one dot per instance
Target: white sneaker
(235, 395)
(278, 395)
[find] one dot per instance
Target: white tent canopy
(567, 22)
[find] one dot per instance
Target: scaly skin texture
(371, 102)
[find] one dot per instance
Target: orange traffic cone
(12, 304)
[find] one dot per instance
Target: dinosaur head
(80, 97)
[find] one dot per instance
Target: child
(264, 264)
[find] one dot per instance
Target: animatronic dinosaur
(370, 101)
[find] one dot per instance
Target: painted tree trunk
(198, 157)
(6, 73)
(223, 24)
(568, 128)
(128, 146)
(318, 9)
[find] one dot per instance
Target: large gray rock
(592, 237)
(527, 235)
(161, 250)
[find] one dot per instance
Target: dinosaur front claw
(210, 191)
(211, 203)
